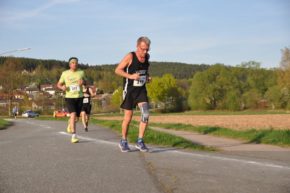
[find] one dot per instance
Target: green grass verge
(152, 137)
(4, 124)
(269, 136)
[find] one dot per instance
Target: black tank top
(87, 96)
(136, 67)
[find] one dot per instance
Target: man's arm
(122, 65)
(91, 92)
(60, 84)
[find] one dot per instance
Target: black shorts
(87, 108)
(133, 97)
(74, 105)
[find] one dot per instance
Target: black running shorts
(87, 108)
(134, 97)
(74, 105)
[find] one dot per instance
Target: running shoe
(124, 146)
(86, 129)
(141, 146)
(74, 140)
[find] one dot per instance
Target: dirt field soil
(238, 122)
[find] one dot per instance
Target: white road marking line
(32, 123)
(90, 139)
(269, 165)
(263, 164)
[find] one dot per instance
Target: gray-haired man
(134, 68)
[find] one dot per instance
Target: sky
(189, 31)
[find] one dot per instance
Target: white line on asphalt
(270, 165)
(90, 139)
(234, 160)
(32, 123)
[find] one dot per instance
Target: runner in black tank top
(86, 108)
(134, 91)
(134, 69)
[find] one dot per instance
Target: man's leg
(83, 115)
(87, 121)
(144, 109)
(74, 139)
(68, 129)
(125, 124)
(72, 122)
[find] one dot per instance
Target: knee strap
(144, 107)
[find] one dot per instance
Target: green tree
(11, 78)
(214, 88)
(275, 97)
(251, 98)
(117, 97)
(284, 77)
(164, 91)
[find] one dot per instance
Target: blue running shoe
(124, 146)
(141, 146)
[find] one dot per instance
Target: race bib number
(140, 82)
(74, 88)
(85, 100)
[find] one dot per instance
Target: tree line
(174, 86)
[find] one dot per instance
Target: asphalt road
(37, 157)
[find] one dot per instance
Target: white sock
(74, 135)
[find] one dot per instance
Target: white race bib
(86, 100)
(74, 88)
(141, 81)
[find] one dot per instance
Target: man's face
(73, 64)
(142, 49)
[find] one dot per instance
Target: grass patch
(152, 137)
(4, 124)
(269, 136)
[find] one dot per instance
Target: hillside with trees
(174, 87)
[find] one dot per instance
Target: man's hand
(149, 79)
(63, 88)
(135, 76)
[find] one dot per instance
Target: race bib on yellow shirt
(74, 88)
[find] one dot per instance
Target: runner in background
(71, 82)
(87, 106)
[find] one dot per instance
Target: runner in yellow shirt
(71, 82)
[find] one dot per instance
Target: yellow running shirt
(71, 80)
